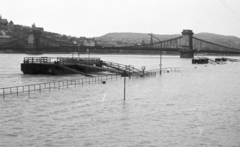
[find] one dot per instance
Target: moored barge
(59, 65)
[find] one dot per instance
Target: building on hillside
(18, 27)
(89, 42)
(107, 43)
(37, 28)
(3, 22)
(4, 31)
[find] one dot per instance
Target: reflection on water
(197, 107)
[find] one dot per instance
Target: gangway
(211, 61)
(121, 67)
(99, 68)
(73, 70)
(110, 66)
(233, 60)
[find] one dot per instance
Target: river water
(200, 106)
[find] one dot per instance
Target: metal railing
(58, 84)
(61, 60)
(166, 69)
(53, 85)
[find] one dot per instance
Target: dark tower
(187, 45)
(34, 36)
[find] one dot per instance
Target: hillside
(230, 41)
(137, 38)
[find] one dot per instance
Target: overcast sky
(92, 18)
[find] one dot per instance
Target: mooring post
(28, 90)
(3, 93)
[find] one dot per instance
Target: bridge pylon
(34, 39)
(186, 50)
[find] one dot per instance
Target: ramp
(121, 67)
(233, 60)
(212, 61)
(74, 71)
(100, 68)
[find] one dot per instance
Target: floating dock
(199, 60)
(205, 60)
(76, 65)
(221, 59)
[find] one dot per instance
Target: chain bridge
(186, 44)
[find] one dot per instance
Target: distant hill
(230, 41)
(137, 38)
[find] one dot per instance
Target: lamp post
(88, 49)
(124, 74)
(160, 71)
(88, 53)
(78, 50)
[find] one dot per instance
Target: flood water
(200, 106)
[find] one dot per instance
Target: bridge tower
(187, 44)
(34, 38)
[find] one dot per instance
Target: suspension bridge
(186, 44)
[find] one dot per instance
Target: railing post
(28, 90)
(3, 92)
(17, 90)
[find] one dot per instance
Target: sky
(94, 18)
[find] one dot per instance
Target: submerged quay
(41, 105)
